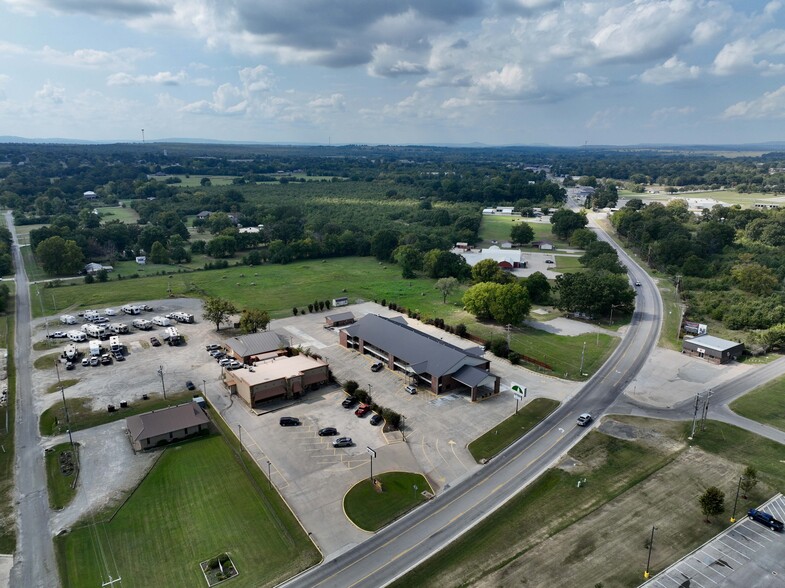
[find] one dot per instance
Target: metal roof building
(167, 425)
(243, 348)
(713, 349)
(433, 362)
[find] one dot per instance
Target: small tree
(351, 387)
(102, 275)
(218, 310)
(294, 310)
(748, 480)
(89, 279)
(712, 502)
(446, 286)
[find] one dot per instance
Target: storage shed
(713, 349)
(339, 320)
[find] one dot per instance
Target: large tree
(478, 299)
(59, 257)
(521, 233)
(409, 259)
(594, 292)
(383, 244)
(445, 264)
(488, 270)
(564, 221)
(218, 310)
(446, 286)
(712, 502)
(539, 288)
(253, 319)
(510, 304)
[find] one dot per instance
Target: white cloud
(663, 114)
(769, 106)
(229, 99)
(584, 80)
(607, 117)
(510, 80)
(163, 78)
(51, 94)
(671, 71)
(741, 55)
(333, 102)
(92, 58)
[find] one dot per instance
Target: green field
(64, 383)
(511, 429)
(195, 181)
(123, 214)
(568, 264)
(497, 228)
(371, 510)
(765, 404)
(60, 485)
(197, 502)
(730, 197)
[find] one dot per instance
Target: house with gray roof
(160, 427)
(713, 349)
(246, 347)
(427, 360)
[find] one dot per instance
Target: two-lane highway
(408, 542)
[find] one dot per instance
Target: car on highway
(377, 366)
(411, 389)
(190, 385)
(57, 335)
(328, 432)
(584, 419)
(343, 442)
(349, 402)
(637, 283)
(765, 519)
(362, 410)
(376, 419)
(287, 421)
(155, 342)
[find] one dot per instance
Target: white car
(584, 419)
(110, 312)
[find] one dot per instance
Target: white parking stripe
(725, 555)
(697, 571)
(759, 531)
(721, 541)
(747, 535)
(738, 544)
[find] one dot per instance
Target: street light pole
(204, 388)
(163, 386)
(648, 561)
(65, 406)
(736, 502)
(269, 475)
(583, 353)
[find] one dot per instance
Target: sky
(498, 72)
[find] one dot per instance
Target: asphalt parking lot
(747, 554)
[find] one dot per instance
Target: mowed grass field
(765, 404)
(196, 502)
(497, 228)
(112, 213)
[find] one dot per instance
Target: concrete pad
(6, 563)
(564, 326)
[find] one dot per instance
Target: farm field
(196, 503)
(123, 214)
(731, 197)
(638, 472)
(195, 181)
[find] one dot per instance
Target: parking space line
(737, 532)
(721, 542)
(698, 571)
(725, 555)
(728, 536)
(760, 534)
(681, 582)
(709, 564)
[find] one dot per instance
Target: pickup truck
(765, 519)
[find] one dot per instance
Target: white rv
(181, 317)
(161, 321)
(114, 344)
(95, 348)
(77, 336)
(68, 319)
(130, 309)
(96, 331)
(70, 352)
(91, 315)
(118, 328)
(143, 324)
(172, 336)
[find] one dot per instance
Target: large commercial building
(713, 349)
(255, 347)
(281, 377)
(429, 361)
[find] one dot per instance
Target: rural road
(408, 542)
(34, 562)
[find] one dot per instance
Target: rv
(77, 336)
(118, 328)
(171, 336)
(95, 348)
(161, 321)
(182, 317)
(143, 324)
(68, 319)
(129, 309)
(91, 315)
(96, 331)
(114, 344)
(70, 352)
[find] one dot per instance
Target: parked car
(584, 419)
(224, 362)
(155, 342)
(212, 347)
(549, 261)
(349, 402)
(57, 335)
(765, 519)
(147, 308)
(328, 432)
(85, 361)
(69, 365)
(343, 442)
(287, 421)
(376, 419)
(190, 385)
(411, 389)
(234, 365)
(119, 357)
(106, 359)
(94, 361)
(377, 366)
(362, 410)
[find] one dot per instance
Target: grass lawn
(371, 510)
(59, 480)
(568, 264)
(511, 429)
(65, 383)
(765, 404)
(52, 420)
(46, 362)
(552, 503)
(123, 214)
(7, 415)
(34, 271)
(195, 181)
(197, 502)
(497, 228)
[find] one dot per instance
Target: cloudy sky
(395, 71)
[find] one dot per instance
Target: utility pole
(736, 502)
(583, 353)
(65, 406)
(705, 411)
(163, 386)
(508, 328)
(695, 415)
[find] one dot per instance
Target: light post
(610, 320)
(65, 407)
(240, 436)
(269, 475)
(372, 453)
(583, 353)
(415, 491)
(403, 434)
(736, 502)
(648, 561)
(163, 386)
(204, 388)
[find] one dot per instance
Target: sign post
(519, 393)
(372, 453)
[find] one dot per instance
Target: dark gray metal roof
(254, 343)
(424, 353)
(471, 376)
(166, 420)
(341, 316)
(714, 343)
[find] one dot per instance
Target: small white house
(141, 259)
(90, 195)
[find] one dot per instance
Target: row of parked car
(217, 352)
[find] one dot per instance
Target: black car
(349, 402)
(377, 366)
(190, 385)
(328, 432)
(155, 342)
(376, 419)
(287, 421)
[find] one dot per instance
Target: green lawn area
(60, 481)
(550, 504)
(372, 510)
(123, 214)
(197, 502)
(497, 228)
(195, 181)
(52, 420)
(511, 429)
(7, 414)
(765, 404)
(568, 264)
(34, 271)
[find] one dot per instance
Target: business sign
(518, 392)
(371, 452)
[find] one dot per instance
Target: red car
(362, 410)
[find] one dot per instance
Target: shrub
(351, 387)
(460, 330)
(499, 347)
(514, 357)
(89, 279)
